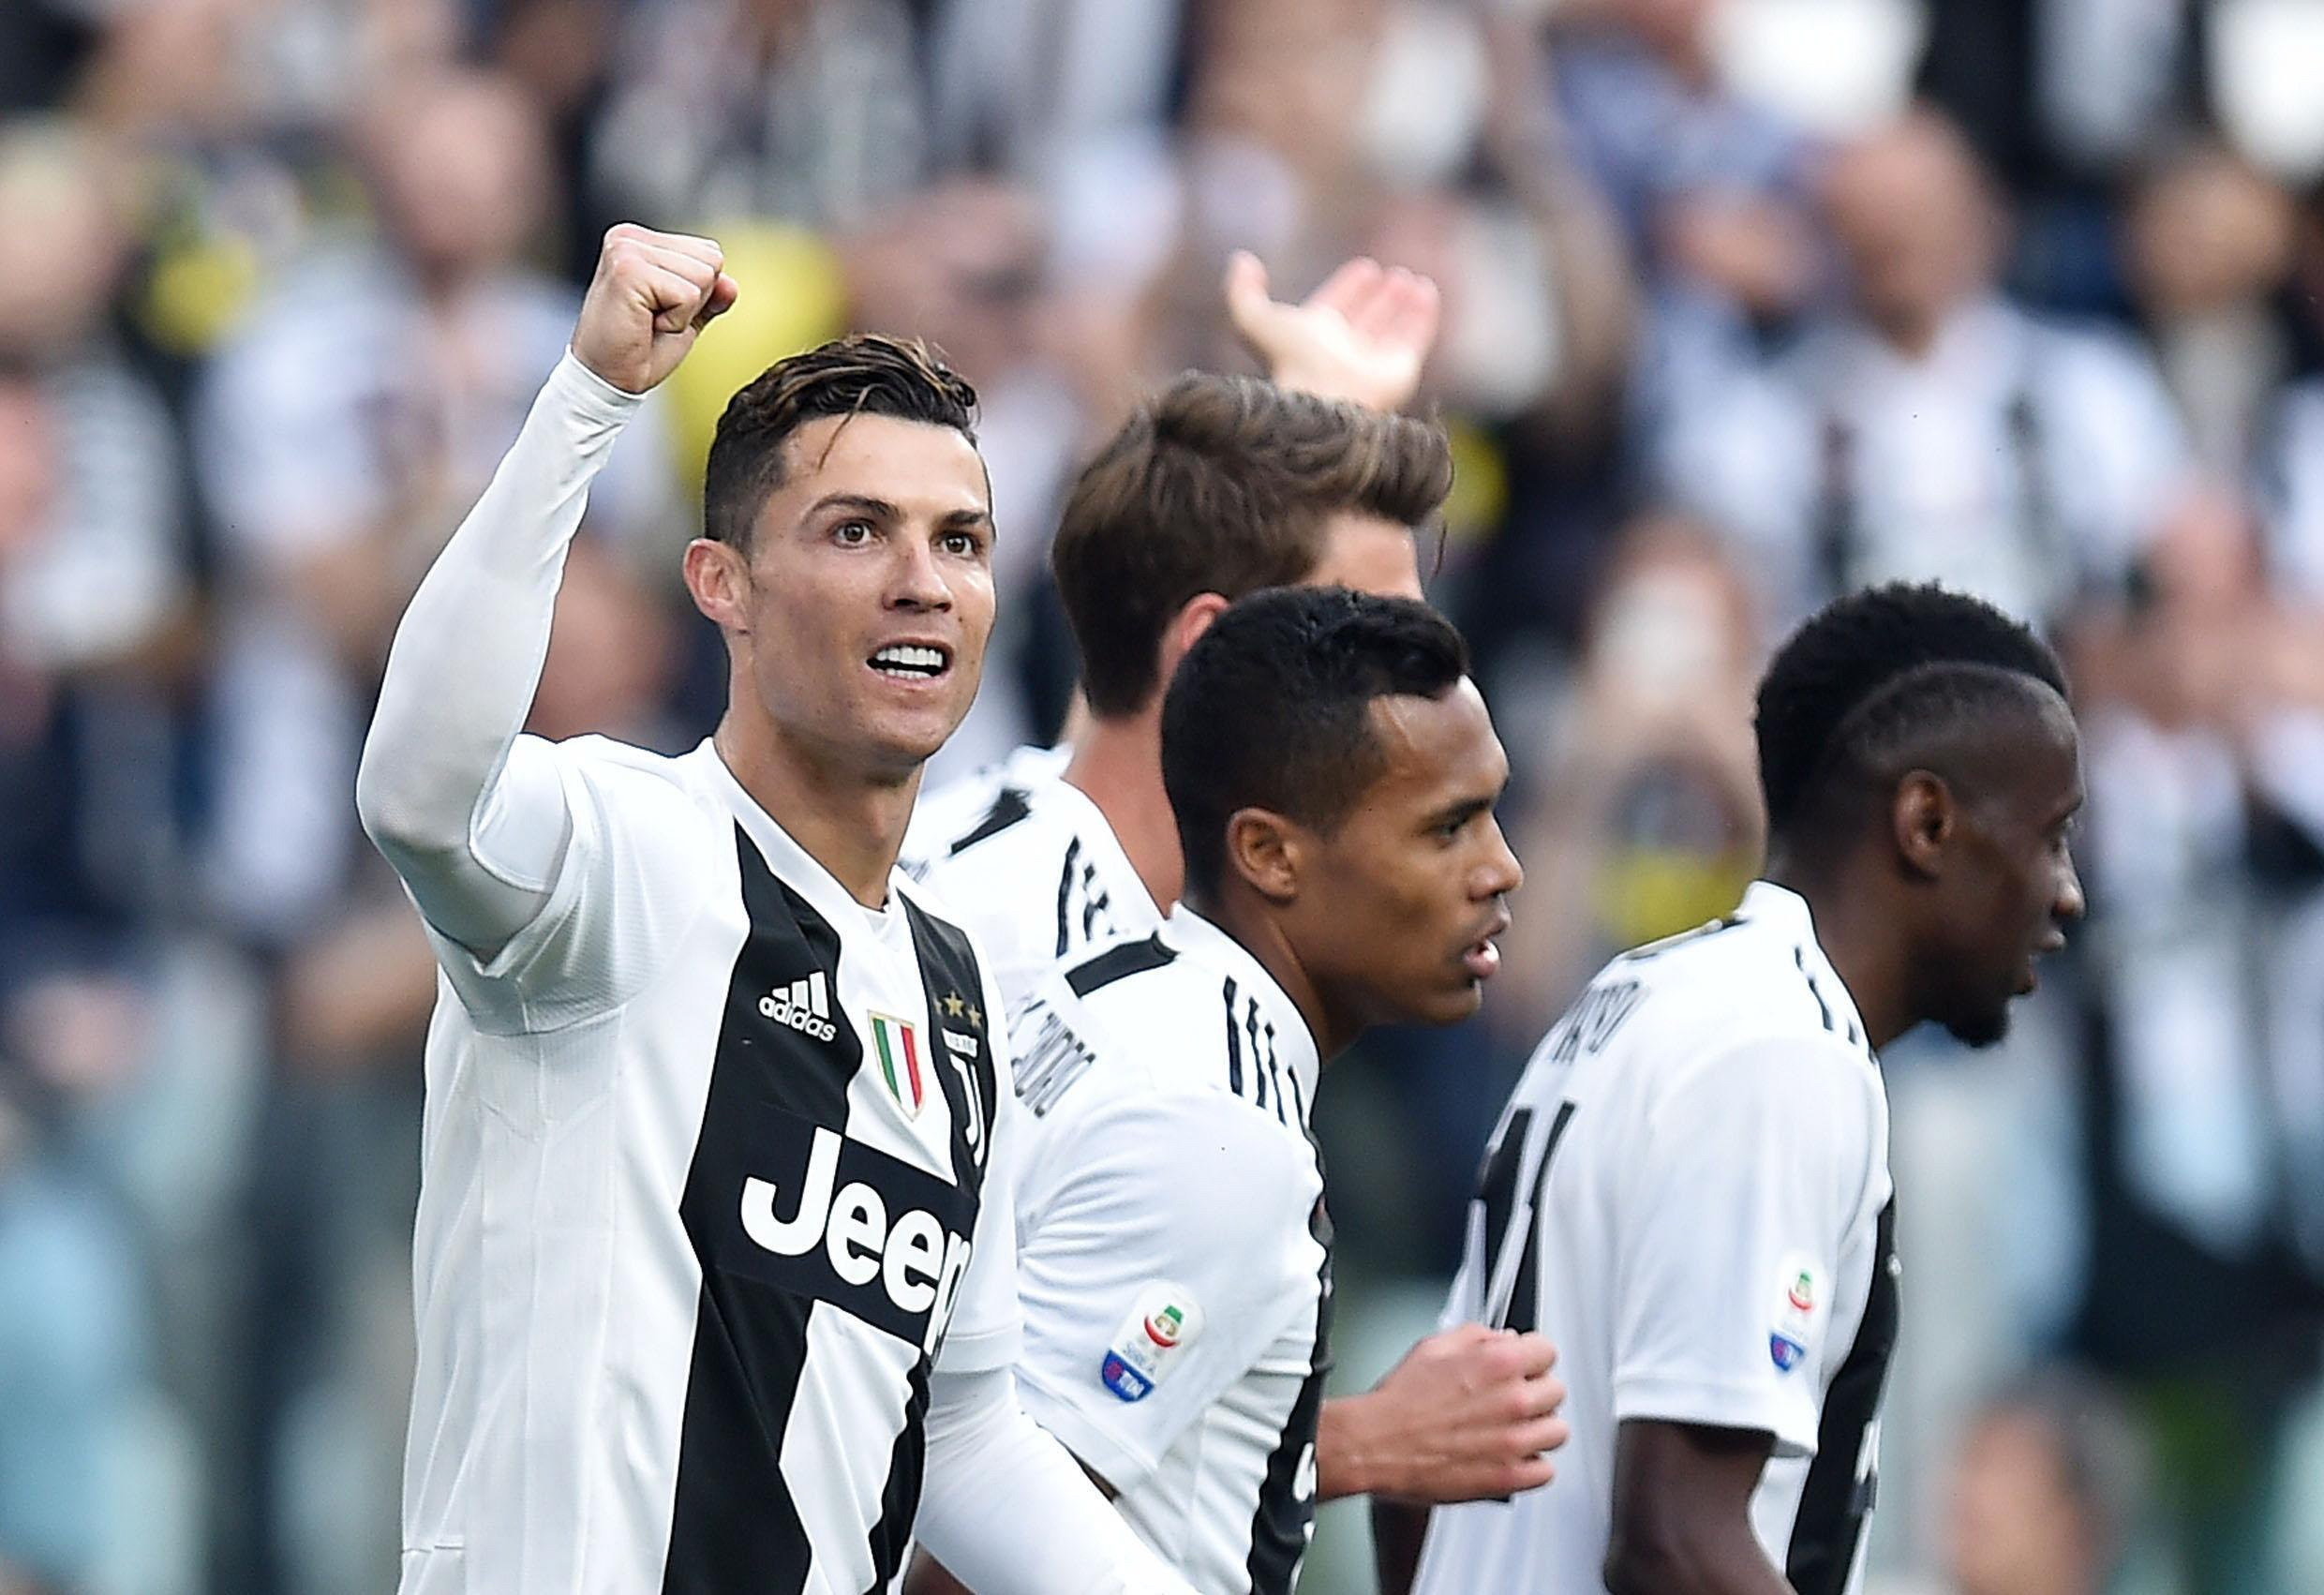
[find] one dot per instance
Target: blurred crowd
(1747, 301)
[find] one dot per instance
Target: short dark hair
(1222, 484)
(1874, 672)
(861, 374)
(1270, 709)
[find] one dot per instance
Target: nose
(1502, 874)
(917, 580)
(2069, 904)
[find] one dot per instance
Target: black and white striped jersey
(705, 1199)
(1688, 1194)
(1025, 859)
(1174, 1250)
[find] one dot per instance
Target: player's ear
(1922, 816)
(719, 584)
(1185, 629)
(1262, 849)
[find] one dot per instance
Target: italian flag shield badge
(897, 1043)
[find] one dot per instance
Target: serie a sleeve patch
(1799, 1306)
(1150, 1340)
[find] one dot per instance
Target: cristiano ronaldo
(714, 1258)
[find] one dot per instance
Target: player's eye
(852, 533)
(963, 544)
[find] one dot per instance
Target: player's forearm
(468, 655)
(1006, 1507)
(1348, 1452)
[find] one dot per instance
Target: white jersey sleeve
(1181, 1242)
(478, 820)
(1759, 1187)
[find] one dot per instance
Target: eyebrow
(870, 506)
(881, 508)
(1460, 812)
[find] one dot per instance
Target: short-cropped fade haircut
(1270, 709)
(861, 374)
(1222, 484)
(1877, 674)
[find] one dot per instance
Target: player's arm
(1757, 1166)
(1007, 1507)
(1682, 1524)
(1469, 1415)
(1189, 1202)
(1362, 336)
(476, 825)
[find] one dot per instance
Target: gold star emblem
(974, 1018)
(953, 1005)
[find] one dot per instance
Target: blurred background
(1747, 301)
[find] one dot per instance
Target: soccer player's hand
(652, 295)
(1469, 1415)
(1362, 335)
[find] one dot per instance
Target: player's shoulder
(962, 816)
(625, 779)
(1753, 979)
(1141, 1017)
(622, 772)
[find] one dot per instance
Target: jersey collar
(1786, 912)
(1201, 942)
(794, 865)
(1097, 834)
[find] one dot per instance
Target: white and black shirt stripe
(704, 1194)
(1689, 1193)
(1170, 1170)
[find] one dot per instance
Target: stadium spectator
(2210, 246)
(2047, 1492)
(1929, 429)
(811, 110)
(338, 437)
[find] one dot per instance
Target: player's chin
(1984, 1025)
(1451, 1004)
(912, 732)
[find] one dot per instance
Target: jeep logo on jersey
(848, 1224)
(805, 1005)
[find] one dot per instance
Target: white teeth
(906, 659)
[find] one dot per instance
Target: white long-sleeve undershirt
(472, 818)
(1008, 1511)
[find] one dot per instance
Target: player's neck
(1260, 934)
(851, 823)
(1117, 764)
(1859, 935)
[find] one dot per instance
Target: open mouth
(911, 662)
(1482, 958)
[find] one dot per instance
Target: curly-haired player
(1689, 1191)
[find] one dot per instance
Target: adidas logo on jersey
(804, 1005)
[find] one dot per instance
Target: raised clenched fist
(651, 296)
